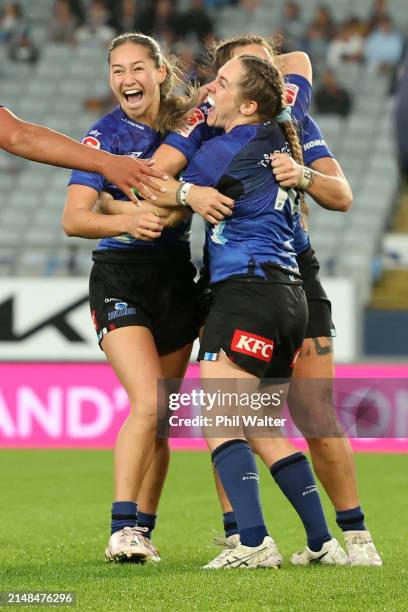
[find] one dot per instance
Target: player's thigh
(133, 355)
(310, 398)
(174, 364)
(316, 359)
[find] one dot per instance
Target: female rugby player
(258, 315)
(142, 294)
(46, 146)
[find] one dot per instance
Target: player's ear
(248, 108)
(162, 70)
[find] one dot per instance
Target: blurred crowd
(186, 27)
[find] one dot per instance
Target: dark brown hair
(172, 108)
(264, 83)
(222, 52)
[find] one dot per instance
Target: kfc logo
(291, 92)
(194, 118)
(252, 345)
(92, 142)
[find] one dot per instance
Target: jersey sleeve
(314, 143)
(189, 138)
(298, 95)
(98, 138)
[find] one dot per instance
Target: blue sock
(230, 524)
(295, 479)
(351, 520)
(146, 520)
(124, 514)
(236, 467)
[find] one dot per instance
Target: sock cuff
(124, 509)
(229, 517)
(226, 448)
(145, 516)
(346, 514)
(286, 462)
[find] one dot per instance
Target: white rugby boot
(249, 557)
(226, 544)
(361, 549)
(331, 553)
(154, 554)
(128, 545)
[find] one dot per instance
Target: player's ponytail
(264, 83)
(173, 108)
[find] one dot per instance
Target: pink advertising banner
(67, 405)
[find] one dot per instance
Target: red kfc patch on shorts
(252, 345)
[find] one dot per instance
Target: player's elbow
(346, 199)
(68, 225)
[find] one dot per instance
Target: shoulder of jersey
(102, 130)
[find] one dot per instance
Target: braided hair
(264, 83)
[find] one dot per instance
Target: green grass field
(54, 527)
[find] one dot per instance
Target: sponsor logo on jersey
(291, 93)
(91, 141)
(132, 123)
(252, 345)
(135, 153)
(121, 305)
(314, 143)
(95, 133)
(194, 118)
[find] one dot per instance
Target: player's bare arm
(79, 218)
(46, 146)
(169, 216)
(327, 184)
(296, 62)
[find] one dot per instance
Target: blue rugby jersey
(188, 139)
(314, 148)
(118, 134)
(261, 227)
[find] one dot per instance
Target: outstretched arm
(46, 146)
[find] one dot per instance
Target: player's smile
(134, 97)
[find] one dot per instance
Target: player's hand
(127, 172)
(145, 226)
(210, 203)
(287, 172)
(203, 93)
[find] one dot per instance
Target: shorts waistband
(142, 255)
